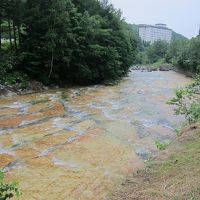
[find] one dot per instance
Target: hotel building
(152, 33)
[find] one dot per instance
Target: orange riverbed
(78, 144)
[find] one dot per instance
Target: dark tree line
(67, 40)
(10, 22)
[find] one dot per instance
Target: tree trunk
(52, 60)
(15, 37)
(0, 35)
(10, 35)
(19, 35)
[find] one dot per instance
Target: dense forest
(78, 42)
(58, 41)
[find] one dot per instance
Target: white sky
(183, 16)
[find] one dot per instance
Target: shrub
(161, 146)
(187, 101)
(8, 73)
(8, 190)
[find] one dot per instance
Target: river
(80, 143)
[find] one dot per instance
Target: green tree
(187, 101)
(75, 41)
(70, 41)
(189, 59)
(174, 50)
(157, 51)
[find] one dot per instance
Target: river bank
(173, 174)
(163, 67)
(34, 86)
(13, 90)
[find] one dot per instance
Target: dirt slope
(173, 175)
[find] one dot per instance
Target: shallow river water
(79, 144)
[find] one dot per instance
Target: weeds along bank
(174, 174)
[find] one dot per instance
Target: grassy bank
(173, 175)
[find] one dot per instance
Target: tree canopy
(68, 40)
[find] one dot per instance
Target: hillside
(177, 36)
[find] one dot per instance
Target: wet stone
(5, 160)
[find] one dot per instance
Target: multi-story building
(152, 33)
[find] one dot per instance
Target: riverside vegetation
(7, 191)
(181, 53)
(76, 42)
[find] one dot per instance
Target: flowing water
(78, 144)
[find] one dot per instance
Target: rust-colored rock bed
(81, 143)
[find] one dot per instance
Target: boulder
(166, 67)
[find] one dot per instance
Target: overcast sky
(183, 16)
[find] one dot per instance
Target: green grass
(161, 146)
(159, 63)
(190, 157)
(173, 175)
